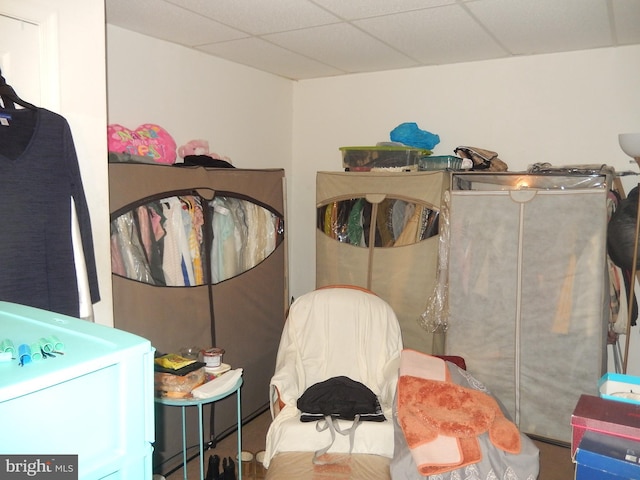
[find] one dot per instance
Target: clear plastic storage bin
(366, 158)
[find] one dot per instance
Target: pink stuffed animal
(148, 140)
(199, 147)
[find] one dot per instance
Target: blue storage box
(605, 457)
(619, 387)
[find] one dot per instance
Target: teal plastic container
(440, 162)
(90, 396)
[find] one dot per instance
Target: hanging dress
(39, 176)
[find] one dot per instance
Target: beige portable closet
(528, 290)
(403, 274)
(244, 313)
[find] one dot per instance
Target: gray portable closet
(402, 269)
(528, 290)
(244, 313)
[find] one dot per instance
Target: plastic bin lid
(386, 148)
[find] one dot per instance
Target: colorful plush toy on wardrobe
(199, 147)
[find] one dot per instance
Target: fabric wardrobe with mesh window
(242, 312)
(379, 230)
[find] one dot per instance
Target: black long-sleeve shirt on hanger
(39, 177)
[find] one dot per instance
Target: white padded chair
(334, 331)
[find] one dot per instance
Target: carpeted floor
(555, 461)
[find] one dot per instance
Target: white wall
(243, 113)
(564, 108)
(83, 102)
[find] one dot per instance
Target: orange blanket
(441, 420)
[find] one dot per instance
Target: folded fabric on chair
(340, 397)
(441, 420)
(335, 398)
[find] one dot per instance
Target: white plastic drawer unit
(93, 399)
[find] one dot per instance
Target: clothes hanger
(10, 97)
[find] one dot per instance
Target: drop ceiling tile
(344, 47)
(434, 36)
(544, 26)
(357, 9)
(262, 17)
(265, 56)
(315, 38)
(626, 14)
(166, 21)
